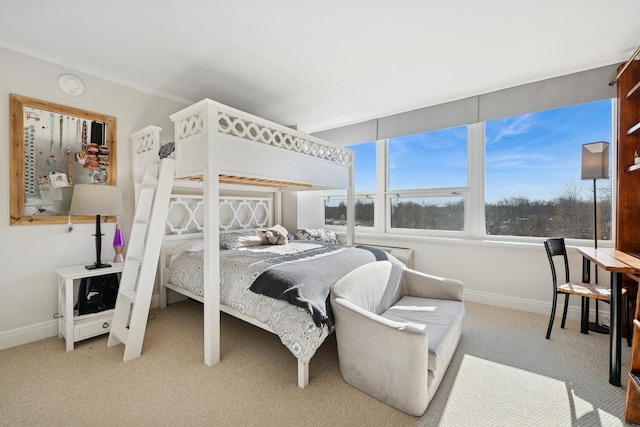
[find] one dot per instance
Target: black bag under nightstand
(97, 293)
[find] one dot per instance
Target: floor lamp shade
(595, 160)
(95, 199)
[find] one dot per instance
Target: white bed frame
(213, 141)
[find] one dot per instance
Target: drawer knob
(105, 325)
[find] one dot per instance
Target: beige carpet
(505, 373)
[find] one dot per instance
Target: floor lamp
(595, 165)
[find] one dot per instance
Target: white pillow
(189, 246)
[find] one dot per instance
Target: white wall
(30, 254)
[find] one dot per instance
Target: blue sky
(535, 155)
(539, 155)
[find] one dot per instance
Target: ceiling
(327, 63)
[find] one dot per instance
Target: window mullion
(476, 162)
(382, 183)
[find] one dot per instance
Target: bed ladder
(140, 265)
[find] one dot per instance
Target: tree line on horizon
(568, 215)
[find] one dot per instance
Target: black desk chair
(556, 248)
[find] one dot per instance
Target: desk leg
(584, 316)
(615, 359)
(586, 278)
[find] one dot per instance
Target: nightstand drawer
(91, 327)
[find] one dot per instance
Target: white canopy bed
(216, 145)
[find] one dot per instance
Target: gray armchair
(397, 330)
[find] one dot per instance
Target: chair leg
(553, 314)
(564, 312)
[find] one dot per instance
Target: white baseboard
(534, 306)
(40, 331)
(27, 334)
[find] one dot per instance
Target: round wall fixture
(71, 85)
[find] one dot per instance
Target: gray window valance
(576, 88)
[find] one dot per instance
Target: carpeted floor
(504, 373)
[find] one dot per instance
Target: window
(427, 186)
(433, 159)
(428, 181)
(533, 183)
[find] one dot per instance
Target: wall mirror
(54, 147)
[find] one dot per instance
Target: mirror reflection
(60, 150)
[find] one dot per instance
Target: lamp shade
(95, 199)
(595, 160)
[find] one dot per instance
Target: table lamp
(96, 199)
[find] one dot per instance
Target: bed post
(145, 146)
(197, 140)
(303, 374)
(211, 241)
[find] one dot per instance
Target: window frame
(473, 193)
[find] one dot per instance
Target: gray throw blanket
(305, 280)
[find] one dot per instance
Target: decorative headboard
(186, 214)
(185, 221)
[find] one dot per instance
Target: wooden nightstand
(70, 325)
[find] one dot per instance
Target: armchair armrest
(428, 286)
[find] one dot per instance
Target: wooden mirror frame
(17, 104)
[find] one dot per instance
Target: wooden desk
(618, 263)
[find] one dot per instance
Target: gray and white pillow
(238, 239)
(166, 150)
(317, 235)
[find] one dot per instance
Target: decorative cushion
(316, 234)
(276, 235)
(166, 150)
